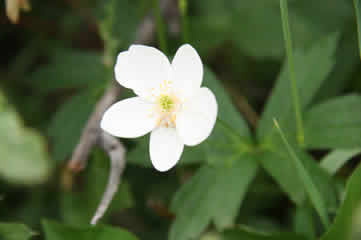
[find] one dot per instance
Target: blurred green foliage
(241, 183)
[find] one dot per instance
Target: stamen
(166, 103)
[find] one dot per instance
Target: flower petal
(196, 121)
(187, 70)
(121, 69)
(148, 68)
(129, 118)
(165, 148)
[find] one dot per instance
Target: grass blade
(292, 75)
(311, 189)
(161, 28)
(357, 7)
(183, 6)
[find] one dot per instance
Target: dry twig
(92, 131)
(116, 153)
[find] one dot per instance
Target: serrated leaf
(23, 151)
(348, 220)
(334, 124)
(67, 123)
(312, 67)
(214, 194)
(15, 231)
(57, 231)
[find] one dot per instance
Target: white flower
(170, 102)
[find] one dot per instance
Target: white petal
(129, 118)
(122, 68)
(165, 148)
(148, 68)
(187, 70)
(196, 121)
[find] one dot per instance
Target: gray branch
(92, 131)
(116, 152)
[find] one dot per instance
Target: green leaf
(277, 163)
(258, 32)
(342, 72)
(118, 21)
(67, 123)
(69, 69)
(348, 220)
(304, 222)
(227, 112)
(333, 161)
(283, 172)
(334, 123)
(23, 151)
(214, 194)
(247, 234)
(15, 231)
(313, 192)
(212, 22)
(328, 15)
(231, 136)
(79, 206)
(312, 67)
(57, 231)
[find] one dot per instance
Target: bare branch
(92, 129)
(116, 152)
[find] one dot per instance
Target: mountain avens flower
(170, 102)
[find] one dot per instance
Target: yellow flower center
(166, 103)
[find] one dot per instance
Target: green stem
(295, 97)
(183, 6)
(358, 19)
(161, 28)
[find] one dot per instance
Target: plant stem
(290, 60)
(183, 6)
(161, 30)
(358, 19)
